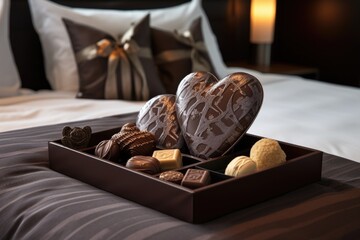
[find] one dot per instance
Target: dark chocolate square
(195, 178)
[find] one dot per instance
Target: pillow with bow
(60, 64)
(179, 53)
(111, 67)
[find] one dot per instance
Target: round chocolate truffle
(144, 164)
(172, 176)
(108, 149)
(240, 166)
(267, 153)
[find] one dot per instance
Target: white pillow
(9, 76)
(60, 66)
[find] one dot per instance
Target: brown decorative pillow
(112, 68)
(178, 54)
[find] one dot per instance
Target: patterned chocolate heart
(158, 116)
(214, 114)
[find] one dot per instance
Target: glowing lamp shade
(262, 21)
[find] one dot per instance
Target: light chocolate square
(169, 158)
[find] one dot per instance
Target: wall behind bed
(319, 33)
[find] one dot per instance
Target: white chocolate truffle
(240, 166)
(267, 153)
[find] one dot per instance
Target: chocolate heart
(214, 115)
(158, 116)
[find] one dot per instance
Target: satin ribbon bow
(125, 53)
(198, 49)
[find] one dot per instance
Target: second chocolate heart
(158, 116)
(214, 114)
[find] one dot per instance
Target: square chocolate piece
(169, 158)
(195, 178)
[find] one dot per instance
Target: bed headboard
(25, 42)
(229, 20)
(224, 15)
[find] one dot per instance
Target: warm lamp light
(262, 23)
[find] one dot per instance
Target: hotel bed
(39, 203)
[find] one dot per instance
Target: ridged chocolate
(134, 142)
(144, 164)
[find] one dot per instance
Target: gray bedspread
(39, 203)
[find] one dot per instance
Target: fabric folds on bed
(38, 203)
(51, 107)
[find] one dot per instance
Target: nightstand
(281, 68)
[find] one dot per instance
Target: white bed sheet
(305, 112)
(51, 107)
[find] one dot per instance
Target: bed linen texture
(38, 203)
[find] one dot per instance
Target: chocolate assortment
(193, 150)
(193, 198)
(207, 117)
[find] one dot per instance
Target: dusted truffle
(108, 149)
(267, 153)
(144, 164)
(169, 158)
(240, 166)
(76, 137)
(172, 176)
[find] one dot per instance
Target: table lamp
(262, 21)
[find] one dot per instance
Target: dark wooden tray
(224, 195)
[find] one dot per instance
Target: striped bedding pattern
(38, 203)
